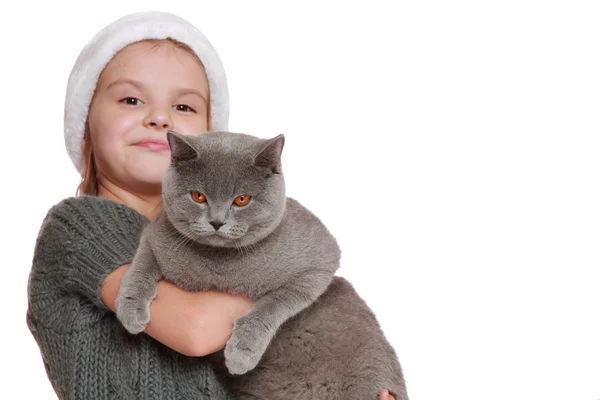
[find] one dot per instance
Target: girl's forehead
(151, 61)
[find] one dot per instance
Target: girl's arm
(192, 323)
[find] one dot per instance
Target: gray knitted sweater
(87, 353)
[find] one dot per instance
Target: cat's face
(224, 189)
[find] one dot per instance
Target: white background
(452, 147)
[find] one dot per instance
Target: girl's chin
(149, 176)
(152, 170)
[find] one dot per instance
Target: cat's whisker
(179, 237)
(178, 244)
(249, 249)
(173, 234)
(190, 243)
(237, 247)
(173, 248)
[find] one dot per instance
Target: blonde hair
(89, 171)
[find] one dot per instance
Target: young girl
(139, 77)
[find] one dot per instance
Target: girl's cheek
(198, 124)
(125, 120)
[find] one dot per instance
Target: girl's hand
(385, 395)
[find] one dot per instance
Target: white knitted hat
(114, 37)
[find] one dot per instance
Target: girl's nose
(159, 118)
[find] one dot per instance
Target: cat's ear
(181, 149)
(270, 155)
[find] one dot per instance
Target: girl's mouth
(154, 144)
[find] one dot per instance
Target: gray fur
(309, 335)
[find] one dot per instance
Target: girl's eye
(198, 197)
(132, 101)
(184, 108)
(242, 200)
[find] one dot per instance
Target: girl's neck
(148, 205)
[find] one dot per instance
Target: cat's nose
(216, 224)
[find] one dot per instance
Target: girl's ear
(270, 155)
(181, 148)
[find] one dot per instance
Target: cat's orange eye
(241, 200)
(198, 197)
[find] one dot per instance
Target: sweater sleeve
(81, 241)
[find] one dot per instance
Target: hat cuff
(113, 38)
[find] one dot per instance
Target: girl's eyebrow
(185, 91)
(124, 81)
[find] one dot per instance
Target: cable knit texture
(86, 351)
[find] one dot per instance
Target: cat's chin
(219, 241)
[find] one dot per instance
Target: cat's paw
(246, 346)
(134, 314)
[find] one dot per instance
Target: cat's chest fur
(252, 270)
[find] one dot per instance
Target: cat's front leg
(253, 332)
(138, 289)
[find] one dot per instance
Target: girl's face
(146, 90)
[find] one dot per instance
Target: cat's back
(301, 229)
(300, 214)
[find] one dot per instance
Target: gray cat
(227, 225)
